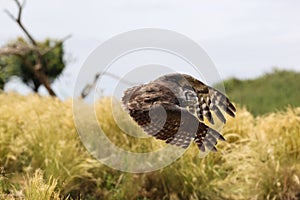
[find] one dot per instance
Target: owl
(173, 108)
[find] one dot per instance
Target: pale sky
(243, 38)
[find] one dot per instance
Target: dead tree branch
(88, 88)
(19, 48)
(18, 20)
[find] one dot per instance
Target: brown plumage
(173, 107)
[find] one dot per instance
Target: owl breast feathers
(173, 108)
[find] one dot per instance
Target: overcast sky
(243, 38)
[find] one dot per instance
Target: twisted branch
(18, 20)
(88, 88)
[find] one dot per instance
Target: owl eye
(190, 96)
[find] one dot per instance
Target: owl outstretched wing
(210, 99)
(157, 108)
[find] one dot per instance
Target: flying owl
(173, 107)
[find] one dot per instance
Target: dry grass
(42, 157)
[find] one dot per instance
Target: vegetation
(268, 93)
(41, 157)
(35, 63)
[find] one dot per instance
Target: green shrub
(271, 92)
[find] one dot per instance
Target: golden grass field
(41, 157)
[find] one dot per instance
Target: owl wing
(210, 99)
(164, 120)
